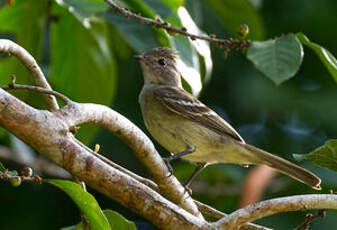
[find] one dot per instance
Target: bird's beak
(139, 57)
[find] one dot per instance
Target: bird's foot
(187, 188)
(167, 161)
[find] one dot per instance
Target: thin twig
(14, 86)
(38, 163)
(7, 176)
(309, 219)
(228, 43)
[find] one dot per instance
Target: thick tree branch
(48, 133)
(273, 206)
(9, 47)
(98, 118)
(141, 145)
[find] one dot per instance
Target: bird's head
(159, 67)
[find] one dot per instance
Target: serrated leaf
(118, 222)
(82, 66)
(324, 156)
(86, 203)
(278, 59)
(324, 55)
(233, 13)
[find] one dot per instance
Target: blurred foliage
(324, 156)
(85, 49)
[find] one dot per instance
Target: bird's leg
(176, 156)
(187, 183)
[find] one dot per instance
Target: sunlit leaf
(201, 46)
(324, 55)
(324, 156)
(118, 222)
(278, 59)
(233, 13)
(82, 66)
(86, 203)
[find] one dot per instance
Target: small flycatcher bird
(189, 129)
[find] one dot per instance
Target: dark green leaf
(278, 59)
(324, 55)
(2, 167)
(83, 9)
(324, 156)
(233, 13)
(82, 66)
(118, 222)
(86, 202)
(13, 20)
(139, 36)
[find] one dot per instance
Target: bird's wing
(184, 104)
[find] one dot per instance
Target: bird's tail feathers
(284, 166)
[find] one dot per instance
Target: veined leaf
(278, 59)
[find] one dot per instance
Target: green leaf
(233, 13)
(324, 156)
(200, 46)
(82, 66)
(86, 203)
(278, 59)
(324, 55)
(2, 167)
(139, 36)
(118, 222)
(83, 9)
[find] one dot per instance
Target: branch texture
(270, 207)
(9, 47)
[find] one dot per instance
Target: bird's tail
(284, 166)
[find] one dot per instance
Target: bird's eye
(162, 61)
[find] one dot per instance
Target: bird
(190, 130)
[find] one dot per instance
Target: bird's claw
(187, 189)
(168, 165)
